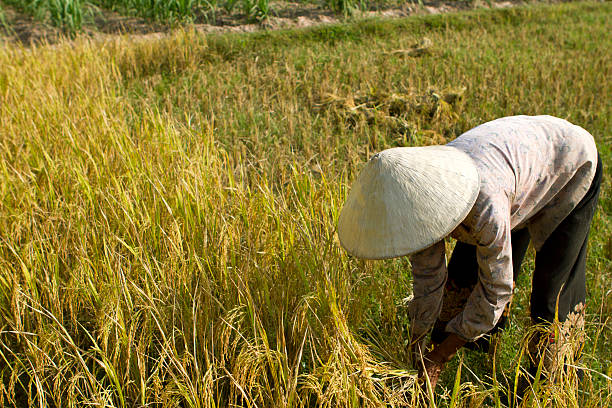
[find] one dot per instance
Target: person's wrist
(454, 342)
(437, 357)
(447, 349)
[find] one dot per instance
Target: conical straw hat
(406, 199)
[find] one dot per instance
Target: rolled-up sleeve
(493, 291)
(429, 277)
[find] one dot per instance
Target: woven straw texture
(406, 199)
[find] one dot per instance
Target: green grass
(168, 208)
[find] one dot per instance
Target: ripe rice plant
(168, 209)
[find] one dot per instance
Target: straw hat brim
(406, 199)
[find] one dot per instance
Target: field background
(50, 21)
(168, 207)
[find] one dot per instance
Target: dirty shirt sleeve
(429, 277)
(493, 291)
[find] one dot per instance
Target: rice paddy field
(168, 208)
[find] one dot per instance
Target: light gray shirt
(533, 171)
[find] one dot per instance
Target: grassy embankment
(168, 207)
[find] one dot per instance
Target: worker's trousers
(558, 283)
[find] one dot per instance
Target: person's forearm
(429, 276)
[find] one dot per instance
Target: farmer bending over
(494, 189)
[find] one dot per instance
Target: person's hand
(431, 370)
(434, 361)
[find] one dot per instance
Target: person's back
(541, 165)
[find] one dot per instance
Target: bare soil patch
(21, 28)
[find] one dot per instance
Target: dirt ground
(18, 27)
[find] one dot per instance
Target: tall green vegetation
(67, 14)
(185, 10)
(346, 7)
(168, 208)
(164, 10)
(3, 19)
